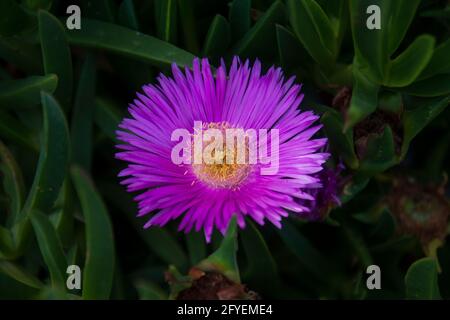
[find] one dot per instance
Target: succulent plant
(380, 199)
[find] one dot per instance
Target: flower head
(204, 193)
(324, 195)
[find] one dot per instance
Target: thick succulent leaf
(13, 184)
(404, 69)
(371, 46)
(104, 10)
(127, 15)
(98, 270)
(35, 5)
(26, 92)
(56, 56)
(196, 246)
(107, 116)
(239, 18)
(340, 141)
(188, 21)
(402, 14)
(290, 50)
(13, 130)
(364, 98)
(159, 240)
(149, 291)
(133, 44)
(258, 254)
(380, 154)
(63, 218)
(16, 272)
(82, 116)
(304, 250)
(421, 280)
(435, 86)
(51, 248)
(359, 246)
(319, 39)
(21, 53)
(223, 260)
(254, 43)
(218, 37)
(391, 101)
(14, 19)
(439, 62)
(7, 245)
(166, 19)
(353, 187)
(416, 120)
(53, 159)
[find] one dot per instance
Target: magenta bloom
(324, 195)
(206, 195)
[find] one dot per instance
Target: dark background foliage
(382, 96)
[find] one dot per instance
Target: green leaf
(391, 101)
(53, 159)
(35, 5)
(404, 69)
(149, 291)
(166, 19)
(18, 273)
(56, 56)
(13, 18)
(421, 280)
(439, 62)
(7, 245)
(196, 247)
(188, 25)
(371, 46)
(290, 50)
(22, 54)
(417, 119)
(13, 184)
(13, 130)
(223, 260)
(82, 118)
(123, 41)
(107, 116)
(364, 98)
(159, 240)
(340, 141)
(239, 18)
(402, 14)
(337, 12)
(99, 265)
(218, 37)
(127, 15)
(254, 43)
(51, 248)
(63, 219)
(312, 26)
(99, 9)
(357, 243)
(306, 253)
(353, 187)
(26, 92)
(380, 154)
(435, 86)
(258, 255)
(164, 245)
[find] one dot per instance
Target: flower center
(226, 171)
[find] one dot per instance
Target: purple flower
(324, 195)
(205, 195)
